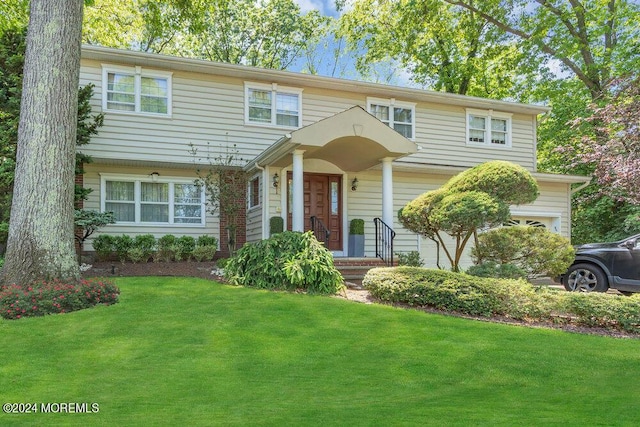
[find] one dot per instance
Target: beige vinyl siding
(254, 224)
(208, 112)
(92, 180)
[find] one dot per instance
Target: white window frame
(138, 180)
(392, 103)
(488, 115)
(275, 89)
(137, 72)
(250, 193)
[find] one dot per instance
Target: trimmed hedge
(517, 299)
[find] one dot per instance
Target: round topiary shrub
(287, 260)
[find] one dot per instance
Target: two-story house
(313, 146)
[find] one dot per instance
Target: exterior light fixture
(154, 176)
(276, 180)
(354, 184)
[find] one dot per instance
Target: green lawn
(178, 351)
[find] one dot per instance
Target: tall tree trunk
(41, 231)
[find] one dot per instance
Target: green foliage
(498, 271)
(505, 181)
(204, 252)
(476, 198)
(89, 221)
(205, 240)
(276, 225)
(44, 298)
(287, 260)
(122, 244)
(184, 247)
(535, 250)
(222, 262)
(166, 247)
(104, 246)
(144, 246)
(356, 227)
(410, 259)
(516, 299)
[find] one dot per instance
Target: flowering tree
(612, 147)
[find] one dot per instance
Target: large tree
(41, 231)
(445, 48)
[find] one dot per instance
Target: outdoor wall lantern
(276, 180)
(154, 176)
(354, 184)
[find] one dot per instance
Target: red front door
(322, 199)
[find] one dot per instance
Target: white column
(297, 215)
(387, 191)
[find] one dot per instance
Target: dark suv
(600, 266)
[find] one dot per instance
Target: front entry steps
(354, 269)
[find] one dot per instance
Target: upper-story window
(488, 127)
(139, 200)
(399, 115)
(136, 90)
(273, 105)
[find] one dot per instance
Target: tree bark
(41, 231)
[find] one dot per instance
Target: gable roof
(289, 78)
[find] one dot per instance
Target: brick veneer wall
(241, 221)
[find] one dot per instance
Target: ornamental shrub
(535, 250)
(517, 299)
(499, 271)
(146, 243)
(287, 260)
(104, 246)
(410, 259)
(204, 253)
(184, 248)
(166, 248)
(122, 244)
(356, 227)
(44, 298)
(276, 225)
(205, 240)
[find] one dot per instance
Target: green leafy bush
(146, 243)
(44, 298)
(222, 262)
(104, 246)
(204, 253)
(205, 240)
(356, 227)
(287, 260)
(276, 225)
(184, 247)
(410, 259)
(517, 299)
(136, 255)
(499, 271)
(122, 245)
(535, 250)
(166, 248)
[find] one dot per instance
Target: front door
(322, 199)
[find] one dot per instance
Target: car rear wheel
(585, 278)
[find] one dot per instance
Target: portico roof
(353, 140)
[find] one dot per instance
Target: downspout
(265, 199)
(584, 184)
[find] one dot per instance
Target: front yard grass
(183, 351)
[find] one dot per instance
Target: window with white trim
(398, 115)
(136, 90)
(143, 200)
(488, 127)
(255, 191)
(273, 105)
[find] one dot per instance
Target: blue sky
(326, 7)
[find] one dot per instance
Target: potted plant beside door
(356, 238)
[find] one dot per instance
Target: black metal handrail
(321, 232)
(384, 241)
